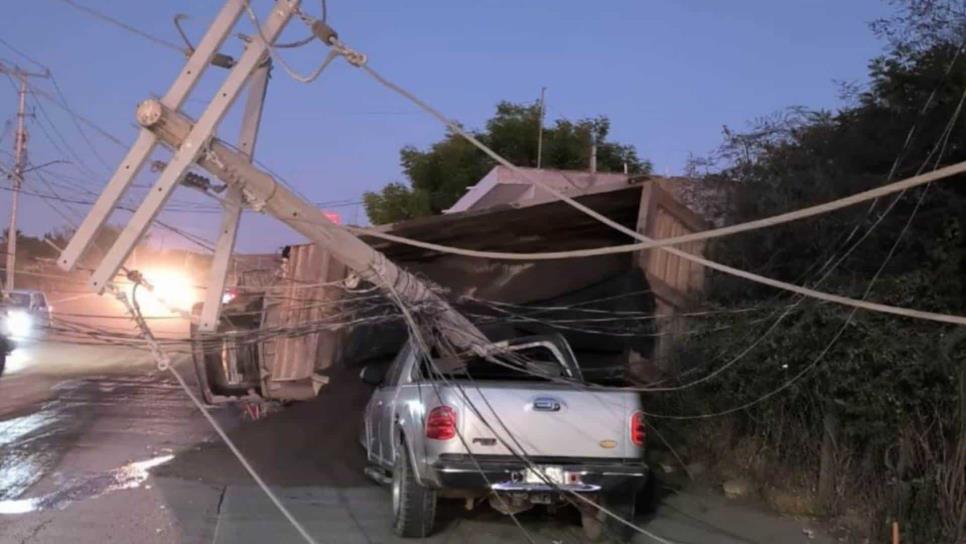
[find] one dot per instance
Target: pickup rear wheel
(624, 505)
(600, 527)
(413, 506)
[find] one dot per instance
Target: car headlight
(19, 324)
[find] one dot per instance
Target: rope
(820, 295)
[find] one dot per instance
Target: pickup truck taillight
(441, 423)
(638, 430)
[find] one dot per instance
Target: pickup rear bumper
(508, 474)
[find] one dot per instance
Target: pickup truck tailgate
(546, 420)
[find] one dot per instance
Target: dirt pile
(307, 443)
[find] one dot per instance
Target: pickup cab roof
(22, 291)
(553, 343)
(22, 297)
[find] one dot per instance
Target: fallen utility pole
(232, 206)
(196, 143)
(264, 193)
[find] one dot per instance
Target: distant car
(430, 433)
(25, 314)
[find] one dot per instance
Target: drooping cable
(750, 276)
(165, 364)
(124, 26)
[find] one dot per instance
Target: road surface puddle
(129, 476)
(25, 449)
(139, 410)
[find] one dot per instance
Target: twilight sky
(669, 74)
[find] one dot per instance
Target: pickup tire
(624, 504)
(600, 527)
(413, 506)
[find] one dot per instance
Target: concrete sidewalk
(361, 515)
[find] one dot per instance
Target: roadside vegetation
(855, 417)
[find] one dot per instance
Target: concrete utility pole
(234, 202)
(20, 160)
(194, 142)
(264, 193)
(540, 136)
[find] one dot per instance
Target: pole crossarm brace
(139, 153)
(233, 204)
(193, 146)
(195, 142)
(262, 192)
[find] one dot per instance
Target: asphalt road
(97, 446)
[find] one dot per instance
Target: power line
(63, 105)
(57, 88)
(938, 151)
(733, 271)
(665, 243)
(124, 26)
(23, 55)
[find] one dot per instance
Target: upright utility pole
(540, 136)
(20, 160)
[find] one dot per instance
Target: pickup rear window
(535, 363)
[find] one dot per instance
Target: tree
(893, 385)
(439, 176)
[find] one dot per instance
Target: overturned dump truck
(278, 341)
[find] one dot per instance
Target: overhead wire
(294, 74)
(80, 162)
(423, 351)
(856, 307)
(941, 148)
(516, 449)
(124, 26)
(60, 93)
(687, 256)
(796, 215)
(62, 104)
(197, 240)
(750, 276)
(164, 363)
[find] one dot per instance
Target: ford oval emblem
(607, 444)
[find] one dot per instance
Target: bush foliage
(892, 385)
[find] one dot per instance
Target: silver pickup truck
(516, 431)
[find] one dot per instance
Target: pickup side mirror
(373, 375)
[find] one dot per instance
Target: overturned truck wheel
(413, 506)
